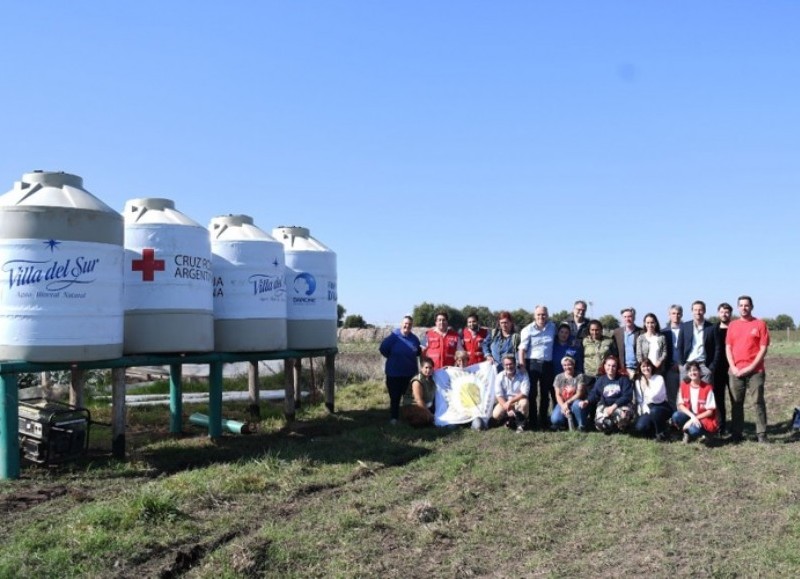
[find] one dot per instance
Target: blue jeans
(679, 418)
(655, 422)
(558, 420)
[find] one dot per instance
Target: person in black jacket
(672, 331)
(724, 312)
(697, 342)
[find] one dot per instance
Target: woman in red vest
(440, 343)
(697, 408)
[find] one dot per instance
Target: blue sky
(488, 153)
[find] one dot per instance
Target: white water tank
(249, 286)
(168, 292)
(311, 287)
(60, 272)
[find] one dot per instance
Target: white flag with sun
(463, 394)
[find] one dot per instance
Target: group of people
(649, 381)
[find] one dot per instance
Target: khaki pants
(739, 388)
(521, 406)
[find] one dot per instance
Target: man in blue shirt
(536, 354)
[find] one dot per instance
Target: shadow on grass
(343, 437)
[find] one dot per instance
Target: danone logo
(304, 286)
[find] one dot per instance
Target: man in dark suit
(625, 340)
(672, 376)
(698, 342)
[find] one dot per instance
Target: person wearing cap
(570, 389)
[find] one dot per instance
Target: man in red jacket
(472, 339)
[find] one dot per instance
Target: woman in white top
(651, 344)
(651, 402)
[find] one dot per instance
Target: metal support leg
(9, 427)
(215, 400)
(175, 399)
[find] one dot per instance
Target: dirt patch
(25, 499)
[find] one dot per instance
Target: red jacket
(441, 349)
(710, 423)
(473, 344)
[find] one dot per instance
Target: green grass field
(348, 495)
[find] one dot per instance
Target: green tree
(455, 318)
(354, 321)
(341, 311)
(522, 318)
(609, 322)
(559, 317)
(485, 315)
(780, 322)
(423, 315)
(785, 322)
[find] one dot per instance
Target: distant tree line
(424, 316)
(352, 321)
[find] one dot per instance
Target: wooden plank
(253, 390)
(76, 386)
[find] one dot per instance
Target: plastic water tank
(61, 267)
(168, 292)
(311, 287)
(249, 286)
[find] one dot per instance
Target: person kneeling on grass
(513, 387)
(418, 401)
(697, 408)
(652, 406)
(570, 390)
(613, 394)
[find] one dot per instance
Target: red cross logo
(148, 265)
